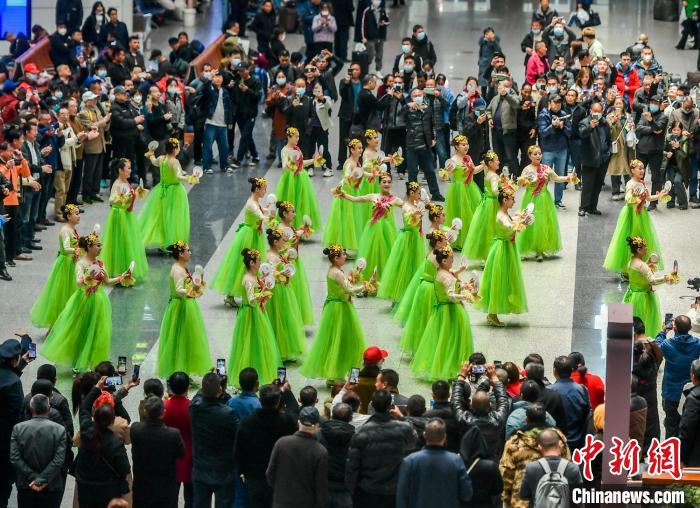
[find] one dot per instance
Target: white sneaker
(311, 172)
(209, 171)
(230, 170)
(328, 173)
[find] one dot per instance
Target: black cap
(11, 348)
(308, 416)
(657, 98)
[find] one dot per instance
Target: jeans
(259, 492)
(12, 231)
(375, 51)
(241, 494)
(197, 143)
(28, 209)
(672, 419)
(653, 160)
(442, 147)
(27, 498)
(693, 189)
(339, 499)
(341, 42)
(424, 158)
(574, 158)
(214, 133)
(46, 181)
(504, 146)
(247, 144)
(556, 161)
(592, 183)
(92, 171)
(224, 494)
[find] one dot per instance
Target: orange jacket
(14, 175)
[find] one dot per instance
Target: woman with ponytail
(283, 308)
(253, 343)
(249, 235)
(61, 283)
(121, 240)
(183, 344)
(594, 384)
(482, 228)
(165, 218)
(340, 341)
(299, 283)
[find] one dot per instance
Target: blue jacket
(679, 352)
(577, 405)
(211, 96)
(307, 11)
(54, 141)
(433, 477)
(244, 404)
(551, 139)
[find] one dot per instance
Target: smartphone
(121, 365)
(432, 404)
(282, 375)
(497, 364)
(113, 381)
(478, 369)
(697, 300)
(31, 350)
(135, 373)
(78, 51)
(221, 366)
(668, 321)
(354, 376)
(595, 87)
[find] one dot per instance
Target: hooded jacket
(486, 478)
(679, 352)
(424, 50)
(335, 435)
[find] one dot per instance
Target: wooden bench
(39, 55)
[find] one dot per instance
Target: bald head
(480, 402)
(549, 441)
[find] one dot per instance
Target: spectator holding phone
(177, 415)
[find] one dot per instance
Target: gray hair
(39, 404)
(695, 368)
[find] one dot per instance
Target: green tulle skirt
(375, 246)
(631, 223)
(253, 345)
(122, 244)
(446, 343)
(297, 189)
(300, 286)
(417, 316)
(502, 288)
(365, 209)
(81, 337)
(542, 237)
(406, 257)
(228, 277)
(285, 318)
(339, 343)
(165, 217)
(403, 309)
(341, 227)
(59, 287)
(481, 230)
(183, 344)
(461, 202)
(645, 306)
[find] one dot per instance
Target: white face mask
(99, 17)
(62, 31)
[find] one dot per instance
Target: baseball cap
(9, 85)
(308, 416)
(120, 89)
(31, 68)
(10, 348)
(89, 96)
(374, 354)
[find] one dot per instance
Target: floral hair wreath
(354, 143)
(292, 131)
(260, 181)
(92, 239)
(437, 234)
(636, 162)
(71, 209)
(445, 251)
(413, 186)
(490, 155)
(460, 138)
(638, 242)
(434, 208)
(384, 174)
(287, 206)
(174, 142)
(276, 232)
(180, 246)
(253, 253)
(335, 250)
(532, 149)
(370, 133)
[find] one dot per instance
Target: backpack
(553, 488)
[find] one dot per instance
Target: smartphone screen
(354, 375)
(136, 372)
(31, 350)
(113, 381)
(668, 320)
(697, 300)
(121, 365)
(282, 375)
(497, 364)
(221, 366)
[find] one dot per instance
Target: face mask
(281, 81)
(172, 91)
(653, 108)
(408, 68)
(58, 94)
(376, 3)
(429, 91)
(506, 90)
(420, 36)
(62, 31)
(646, 58)
(536, 31)
(687, 111)
(558, 32)
(111, 97)
(99, 17)
(102, 74)
(559, 68)
(541, 86)
(236, 62)
(206, 75)
(300, 91)
(596, 116)
(405, 48)
(31, 75)
(471, 87)
(418, 99)
(325, 14)
(552, 89)
(137, 99)
(674, 137)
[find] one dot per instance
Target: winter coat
(651, 134)
(679, 352)
(595, 143)
(486, 52)
(420, 130)
(618, 165)
(516, 418)
(689, 431)
(336, 435)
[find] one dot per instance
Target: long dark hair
(81, 386)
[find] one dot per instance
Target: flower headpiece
(445, 251)
(92, 239)
(275, 233)
(292, 131)
(434, 208)
(335, 250)
(285, 206)
(370, 133)
(383, 174)
(259, 181)
(638, 242)
(180, 246)
(636, 162)
(532, 149)
(253, 253)
(490, 155)
(460, 138)
(174, 141)
(412, 186)
(71, 209)
(354, 143)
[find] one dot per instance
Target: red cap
(31, 68)
(374, 354)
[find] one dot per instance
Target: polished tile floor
(568, 295)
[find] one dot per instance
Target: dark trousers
(187, 493)
(343, 135)
(574, 155)
(92, 171)
(616, 184)
(46, 181)
(7, 480)
(231, 137)
(523, 147)
(124, 148)
(363, 499)
(395, 139)
(318, 137)
(677, 193)
(247, 144)
(27, 498)
(259, 493)
(422, 158)
(76, 183)
(28, 209)
(653, 160)
(224, 494)
(504, 146)
(12, 229)
(592, 183)
(672, 419)
(341, 42)
(198, 139)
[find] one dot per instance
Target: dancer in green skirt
(299, 283)
(340, 341)
(121, 240)
(463, 195)
(283, 308)
(380, 233)
(634, 220)
(183, 344)
(249, 235)
(543, 237)
(61, 283)
(481, 230)
(642, 279)
(295, 184)
(81, 337)
(502, 288)
(344, 219)
(408, 250)
(165, 217)
(447, 339)
(372, 160)
(254, 343)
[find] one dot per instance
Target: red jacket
(633, 82)
(595, 386)
(535, 65)
(177, 415)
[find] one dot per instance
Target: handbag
(594, 19)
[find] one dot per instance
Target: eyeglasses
(310, 69)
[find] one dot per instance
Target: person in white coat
(320, 125)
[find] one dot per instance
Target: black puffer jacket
(123, 125)
(376, 452)
(420, 131)
(335, 435)
(690, 429)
